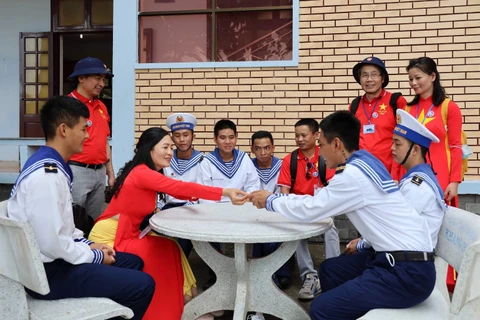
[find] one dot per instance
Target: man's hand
(352, 246)
(103, 246)
(259, 198)
(111, 179)
(237, 196)
(107, 257)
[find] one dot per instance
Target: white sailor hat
(409, 128)
(180, 121)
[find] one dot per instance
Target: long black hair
(145, 144)
(428, 66)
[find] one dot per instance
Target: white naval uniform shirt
(387, 220)
(44, 200)
(424, 198)
(269, 176)
(241, 175)
(184, 170)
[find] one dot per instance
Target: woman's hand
(451, 191)
(237, 196)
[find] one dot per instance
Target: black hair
(224, 124)
(145, 144)
(428, 66)
(260, 135)
(61, 109)
(311, 123)
(343, 125)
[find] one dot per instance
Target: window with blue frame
(175, 31)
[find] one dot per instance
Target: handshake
(239, 197)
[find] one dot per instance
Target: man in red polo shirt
(90, 167)
(375, 112)
(307, 182)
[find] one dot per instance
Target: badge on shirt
(430, 114)
(375, 115)
(368, 128)
(417, 180)
(50, 167)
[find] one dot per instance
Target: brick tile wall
(334, 35)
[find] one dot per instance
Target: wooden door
(35, 80)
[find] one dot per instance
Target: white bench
(20, 266)
(459, 245)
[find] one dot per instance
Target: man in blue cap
(376, 111)
(90, 166)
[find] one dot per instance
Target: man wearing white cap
(184, 164)
(411, 141)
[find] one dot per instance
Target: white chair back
(20, 260)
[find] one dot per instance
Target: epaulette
(417, 180)
(50, 167)
(340, 168)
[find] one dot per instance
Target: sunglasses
(310, 166)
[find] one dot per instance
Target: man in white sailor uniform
(419, 185)
(75, 266)
(227, 167)
(184, 164)
(268, 169)
(400, 272)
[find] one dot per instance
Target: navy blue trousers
(123, 282)
(264, 249)
(352, 285)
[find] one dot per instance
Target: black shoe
(284, 282)
(212, 278)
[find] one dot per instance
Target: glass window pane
(71, 13)
(182, 38)
(43, 75)
(30, 92)
(102, 12)
(43, 60)
(42, 44)
(30, 44)
(254, 36)
(252, 3)
(41, 104)
(174, 5)
(30, 107)
(43, 91)
(30, 76)
(30, 60)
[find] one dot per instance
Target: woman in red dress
(446, 156)
(134, 197)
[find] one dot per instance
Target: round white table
(243, 284)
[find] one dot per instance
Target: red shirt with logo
(302, 184)
(95, 147)
(377, 123)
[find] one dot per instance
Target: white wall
(15, 17)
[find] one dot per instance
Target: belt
(85, 165)
(410, 255)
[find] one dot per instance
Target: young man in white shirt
(75, 266)
(400, 273)
(227, 167)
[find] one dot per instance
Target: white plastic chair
(459, 245)
(20, 265)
